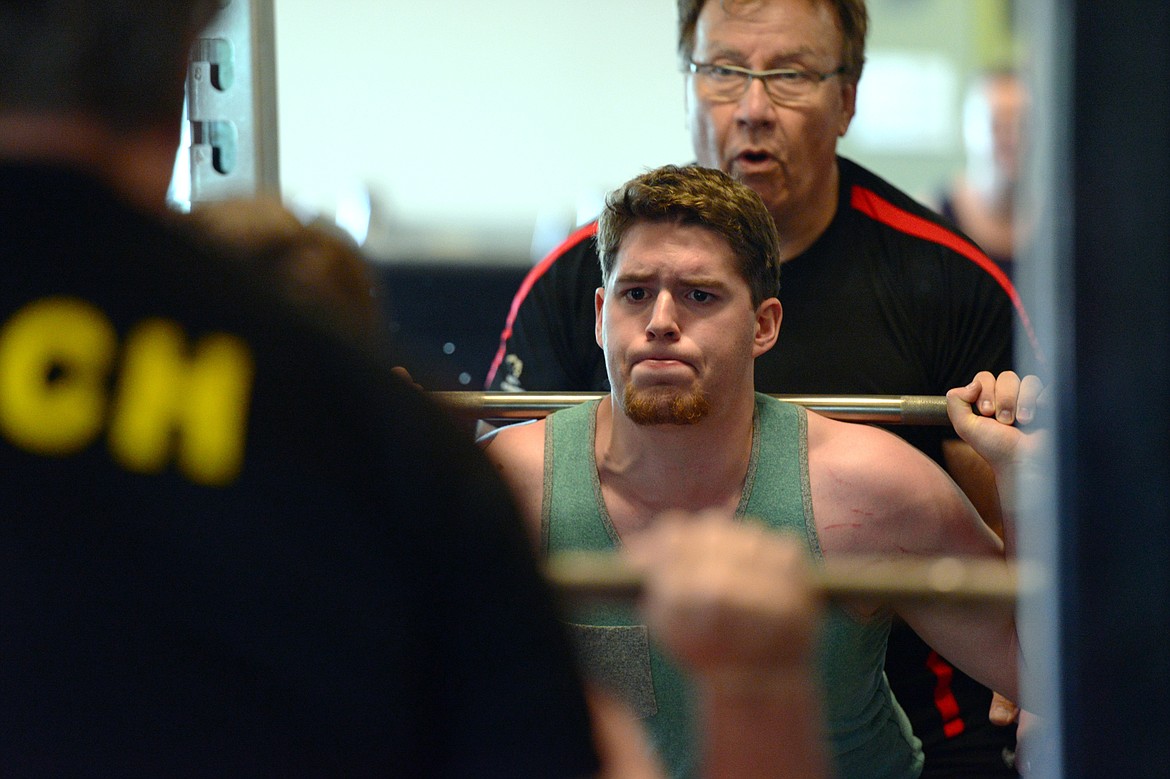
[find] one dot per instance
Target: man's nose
(663, 317)
(755, 107)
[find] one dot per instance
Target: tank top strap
(780, 494)
(569, 514)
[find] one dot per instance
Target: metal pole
(605, 575)
(231, 104)
(884, 409)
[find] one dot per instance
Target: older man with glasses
(880, 295)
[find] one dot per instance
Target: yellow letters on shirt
(55, 355)
(171, 400)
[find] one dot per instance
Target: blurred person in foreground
(317, 266)
(233, 542)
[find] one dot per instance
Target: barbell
(579, 575)
(582, 575)
(884, 409)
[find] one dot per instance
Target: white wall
(475, 115)
(472, 122)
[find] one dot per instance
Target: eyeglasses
(728, 83)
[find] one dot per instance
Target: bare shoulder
(506, 437)
(859, 451)
(873, 493)
(517, 451)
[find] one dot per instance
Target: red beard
(664, 406)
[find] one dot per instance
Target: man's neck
(799, 228)
(655, 468)
(136, 164)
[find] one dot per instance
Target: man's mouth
(753, 161)
(662, 368)
(754, 157)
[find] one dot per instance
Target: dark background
(431, 305)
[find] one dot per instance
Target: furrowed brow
(705, 282)
(633, 278)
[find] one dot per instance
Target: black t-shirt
(233, 543)
(890, 300)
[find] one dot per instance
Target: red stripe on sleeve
(944, 698)
(880, 209)
(538, 270)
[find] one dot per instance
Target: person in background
(982, 199)
(881, 295)
(690, 262)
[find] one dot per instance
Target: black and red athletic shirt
(892, 299)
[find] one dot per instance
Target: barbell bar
(884, 409)
(604, 575)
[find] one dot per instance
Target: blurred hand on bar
(735, 605)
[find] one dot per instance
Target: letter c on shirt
(55, 356)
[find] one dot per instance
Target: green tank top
(869, 734)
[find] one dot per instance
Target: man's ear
(598, 302)
(768, 316)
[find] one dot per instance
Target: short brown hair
(702, 197)
(852, 20)
(123, 61)
(314, 264)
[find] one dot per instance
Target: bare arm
(620, 740)
(517, 451)
(985, 414)
(1009, 400)
(976, 479)
(988, 413)
(874, 494)
(979, 638)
